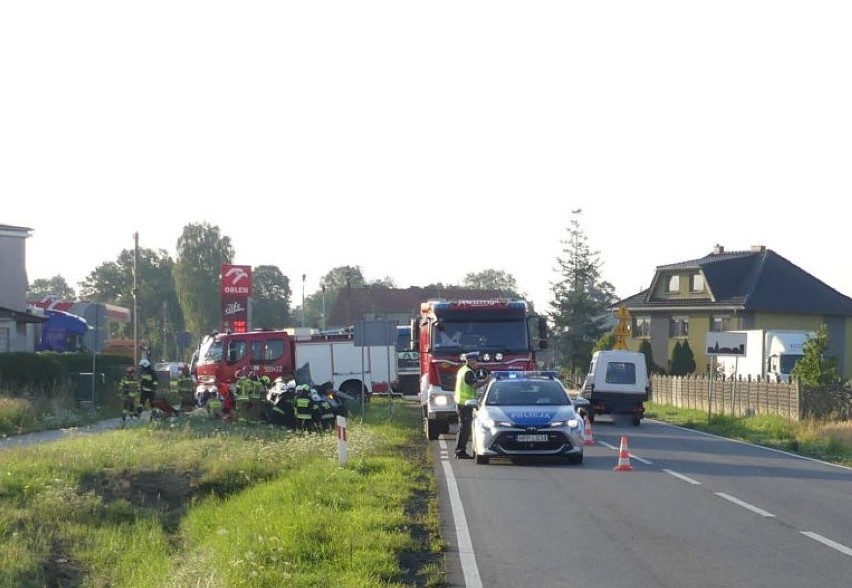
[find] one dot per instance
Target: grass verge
(193, 502)
(827, 440)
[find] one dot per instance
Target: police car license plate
(531, 438)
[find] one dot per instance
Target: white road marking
(682, 477)
(739, 502)
(465, 546)
(833, 544)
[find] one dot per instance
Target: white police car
(526, 414)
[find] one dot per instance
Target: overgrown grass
(26, 414)
(195, 502)
(827, 440)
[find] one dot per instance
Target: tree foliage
(55, 286)
(271, 296)
(651, 367)
(581, 299)
(160, 316)
(606, 342)
(815, 369)
(491, 279)
(334, 281)
(201, 252)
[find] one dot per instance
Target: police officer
(466, 385)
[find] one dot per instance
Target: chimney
(758, 248)
(718, 249)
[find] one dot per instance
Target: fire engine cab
(504, 332)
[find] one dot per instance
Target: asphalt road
(696, 510)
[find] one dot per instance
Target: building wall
(13, 289)
(13, 285)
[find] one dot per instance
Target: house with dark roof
(736, 290)
(379, 303)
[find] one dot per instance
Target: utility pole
(322, 286)
(303, 299)
(135, 300)
(165, 321)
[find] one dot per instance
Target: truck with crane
(506, 333)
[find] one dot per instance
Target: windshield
(503, 336)
(211, 351)
(526, 393)
(788, 362)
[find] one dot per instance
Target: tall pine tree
(581, 301)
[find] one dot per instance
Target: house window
(696, 283)
(674, 284)
(719, 323)
(641, 326)
(679, 326)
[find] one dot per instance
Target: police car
(526, 414)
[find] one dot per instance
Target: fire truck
(507, 335)
(293, 353)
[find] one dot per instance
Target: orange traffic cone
(587, 433)
(623, 457)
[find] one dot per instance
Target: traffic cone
(587, 433)
(623, 457)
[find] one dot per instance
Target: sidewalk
(68, 433)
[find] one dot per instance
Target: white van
(617, 383)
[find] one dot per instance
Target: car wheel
(432, 431)
(636, 421)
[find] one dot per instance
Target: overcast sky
(423, 141)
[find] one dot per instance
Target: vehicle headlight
(491, 423)
(570, 423)
(439, 400)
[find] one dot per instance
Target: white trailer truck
(768, 354)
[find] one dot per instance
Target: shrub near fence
(728, 396)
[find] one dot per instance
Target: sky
(423, 141)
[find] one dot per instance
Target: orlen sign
(235, 290)
(236, 280)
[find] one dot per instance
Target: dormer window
(674, 284)
(696, 283)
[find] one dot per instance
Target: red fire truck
(504, 332)
(331, 357)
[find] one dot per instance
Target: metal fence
(728, 396)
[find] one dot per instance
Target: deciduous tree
(271, 296)
(55, 286)
(201, 252)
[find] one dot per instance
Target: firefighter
(185, 387)
(242, 396)
(257, 396)
(147, 385)
(323, 410)
(304, 407)
(128, 390)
